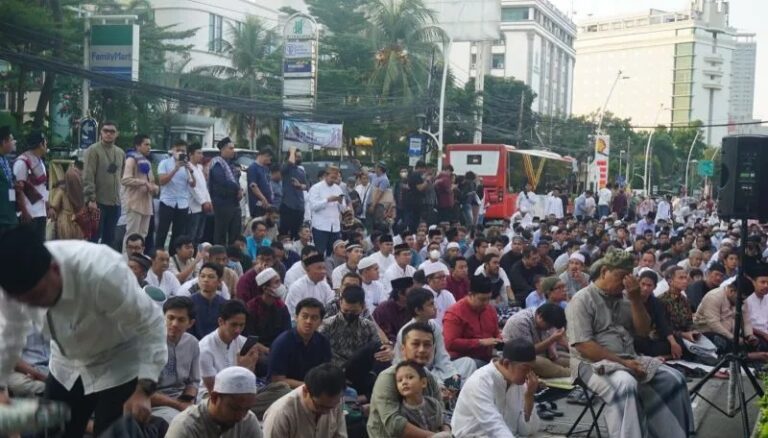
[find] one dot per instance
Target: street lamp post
(646, 180)
(599, 131)
(688, 161)
(447, 41)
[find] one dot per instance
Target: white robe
(486, 396)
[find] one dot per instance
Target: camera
(182, 157)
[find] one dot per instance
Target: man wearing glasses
(103, 169)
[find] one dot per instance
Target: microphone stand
(736, 360)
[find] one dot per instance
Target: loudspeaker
(743, 191)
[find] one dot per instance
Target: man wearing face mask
(267, 315)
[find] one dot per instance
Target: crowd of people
(350, 308)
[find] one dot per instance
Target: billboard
(602, 152)
(304, 135)
(468, 20)
(114, 50)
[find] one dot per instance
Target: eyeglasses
(108, 131)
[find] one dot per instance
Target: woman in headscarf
(67, 200)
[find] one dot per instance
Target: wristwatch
(147, 386)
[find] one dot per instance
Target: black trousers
(362, 368)
(290, 221)
(170, 215)
(226, 223)
(107, 405)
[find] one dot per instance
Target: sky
(745, 15)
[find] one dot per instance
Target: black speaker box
(743, 191)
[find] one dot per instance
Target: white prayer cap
(366, 263)
(434, 267)
(577, 256)
(453, 245)
(554, 229)
(432, 227)
(235, 380)
(728, 282)
(265, 276)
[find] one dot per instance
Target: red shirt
(463, 328)
(444, 190)
(246, 286)
(459, 288)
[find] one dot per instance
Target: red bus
(502, 169)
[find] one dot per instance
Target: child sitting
(420, 410)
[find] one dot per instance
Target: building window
(514, 14)
(683, 62)
(684, 49)
(473, 60)
(215, 33)
(498, 61)
(683, 76)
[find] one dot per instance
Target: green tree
(254, 73)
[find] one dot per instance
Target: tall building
(679, 67)
(536, 46)
(213, 20)
(743, 77)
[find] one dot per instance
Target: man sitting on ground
(159, 276)
(574, 277)
(392, 315)
(313, 285)
(354, 255)
(602, 324)
(207, 300)
(300, 349)
(544, 327)
(312, 409)
(696, 291)
(497, 401)
(184, 263)
(402, 266)
(471, 325)
(375, 292)
(226, 413)
(436, 274)
(522, 273)
(298, 269)
(458, 282)
(178, 383)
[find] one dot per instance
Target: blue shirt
(277, 193)
(259, 175)
(293, 198)
(223, 190)
(379, 182)
(289, 357)
(253, 247)
(177, 192)
(206, 314)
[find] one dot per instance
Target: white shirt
(326, 216)
(375, 293)
(169, 284)
(394, 272)
(294, 273)
(383, 262)
(21, 173)
(758, 312)
(487, 396)
(200, 194)
(604, 196)
(104, 329)
(443, 301)
(306, 288)
(183, 290)
(338, 274)
(554, 206)
(662, 210)
(526, 202)
(215, 355)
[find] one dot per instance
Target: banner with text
(307, 135)
(602, 152)
(114, 50)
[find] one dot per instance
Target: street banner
(602, 153)
(114, 50)
(89, 129)
(307, 135)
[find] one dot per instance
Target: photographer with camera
(177, 180)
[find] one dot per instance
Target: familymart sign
(114, 50)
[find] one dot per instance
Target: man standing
(75, 289)
(526, 201)
(138, 187)
(313, 409)
(604, 196)
(178, 181)
(414, 196)
(444, 190)
(178, 383)
(326, 199)
(103, 168)
(224, 185)
(294, 186)
(381, 198)
(259, 188)
(200, 201)
(226, 413)
(497, 400)
(8, 186)
(30, 172)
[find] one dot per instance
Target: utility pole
(479, 87)
(520, 118)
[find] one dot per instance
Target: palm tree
(402, 47)
(254, 72)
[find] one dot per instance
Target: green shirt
(102, 172)
(385, 419)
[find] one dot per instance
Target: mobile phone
(182, 157)
(249, 343)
